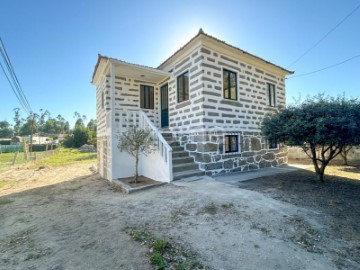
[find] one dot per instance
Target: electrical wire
(328, 33)
(328, 67)
(12, 87)
(14, 75)
(13, 80)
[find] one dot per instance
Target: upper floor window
(231, 143)
(146, 97)
(271, 94)
(183, 87)
(229, 84)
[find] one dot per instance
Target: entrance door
(164, 106)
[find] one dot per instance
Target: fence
(7, 159)
(11, 148)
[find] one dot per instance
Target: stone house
(204, 106)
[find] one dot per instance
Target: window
(146, 97)
(271, 94)
(229, 84)
(272, 144)
(183, 87)
(231, 143)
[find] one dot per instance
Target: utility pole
(32, 131)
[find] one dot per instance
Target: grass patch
(5, 201)
(166, 255)
(211, 209)
(227, 205)
(38, 254)
(65, 156)
(20, 238)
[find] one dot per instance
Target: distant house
(204, 105)
(16, 139)
(38, 139)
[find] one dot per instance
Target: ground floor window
(272, 144)
(231, 143)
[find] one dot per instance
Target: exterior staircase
(183, 164)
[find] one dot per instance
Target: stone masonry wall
(207, 150)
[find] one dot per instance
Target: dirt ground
(70, 218)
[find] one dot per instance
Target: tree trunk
(345, 159)
(344, 154)
(136, 167)
(320, 173)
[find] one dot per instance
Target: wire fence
(15, 158)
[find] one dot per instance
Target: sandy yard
(70, 218)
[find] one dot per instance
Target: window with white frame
(271, 94)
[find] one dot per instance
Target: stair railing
(162, 146)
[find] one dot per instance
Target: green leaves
(322, 126)
(135, 140)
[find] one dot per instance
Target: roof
(121, 62)
(201, 32)
(140, 70)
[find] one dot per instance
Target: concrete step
(174, 143)
(180, 160)
(186, 174)
(179, 154)
(167, 136)
(185, 167)
(177, 148)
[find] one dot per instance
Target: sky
(53, 45)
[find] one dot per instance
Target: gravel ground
(70, 218)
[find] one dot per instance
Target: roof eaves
(201, 32)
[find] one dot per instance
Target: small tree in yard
(136, 141)
(322, 126)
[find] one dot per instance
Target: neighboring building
(204, 104)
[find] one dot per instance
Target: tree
(344, 154)
(5, 129)
(322, 126)
(135, 141)
(79, 120)
(91, 126)
(17, 120)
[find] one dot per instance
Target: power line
(12, 87)
(331, 66)
(328, 33)
(13, 80)
(14, 74)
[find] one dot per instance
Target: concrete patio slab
(233, 178)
